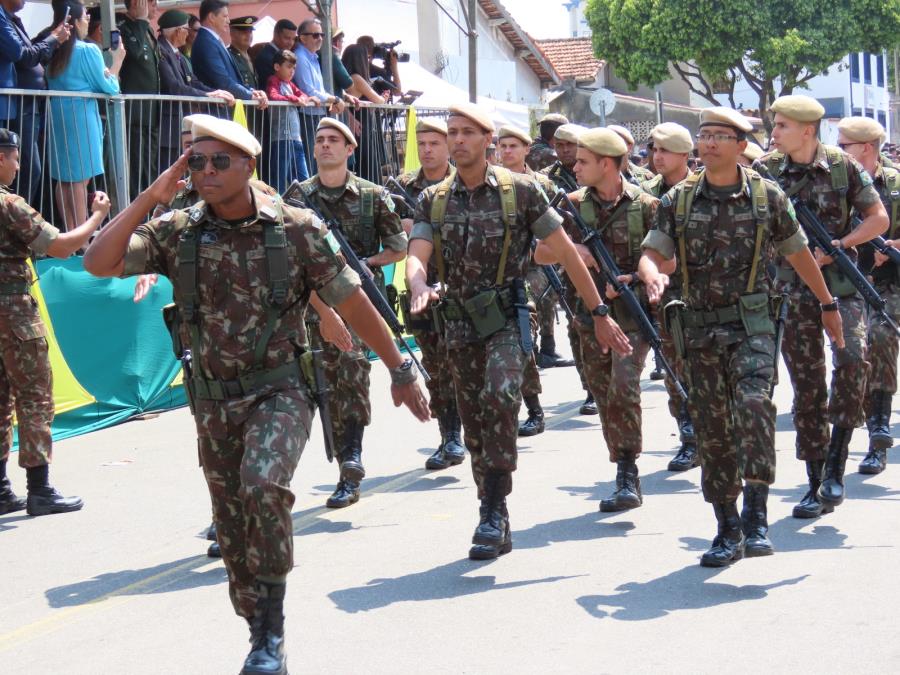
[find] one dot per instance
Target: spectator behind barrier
(283, 37)
(286, 156)
(193, 29)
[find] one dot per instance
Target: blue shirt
(308, 77)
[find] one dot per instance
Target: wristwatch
(831, 306)
(600, 310)
(403, 374)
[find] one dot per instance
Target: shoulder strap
(759, 201)
(839, 179)
(773, 163)
(892, 182)
(275, 241)
(683, 204)
(508, 208)
(438, 211)
(636, 230)
(188, 277)
(586, 207)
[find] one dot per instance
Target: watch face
(601, 310)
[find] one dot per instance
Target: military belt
(698, 318)
(250, 383)
(786, 275)
(14, 288)
(453, 310)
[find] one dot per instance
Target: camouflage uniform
(804, 343)
(636, 174)
(487, 372)
(26, 380)
(728, 372)
(540, 154)
(252, 429)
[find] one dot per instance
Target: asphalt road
(385, 586)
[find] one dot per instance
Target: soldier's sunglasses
(220, 161)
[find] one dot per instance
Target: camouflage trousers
(249, 449)
(574, 337)
(441, 393)
(804, 355)
(668, 350)
(615, 382)
(347, 374)
(883, 347)
(733, 414)
(488, 379)
(26, 381)
(544, 299)
(531, 381)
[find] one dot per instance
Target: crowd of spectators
(211, 56)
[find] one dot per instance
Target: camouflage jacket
(636, 174)
(472, 237)
(415, 182)
(23, 231)
(563, 178)
(720, 240)
(887, 273)
(232, 284)
(188, 196)
(540, 155)
(657, 185)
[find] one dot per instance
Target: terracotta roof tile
(572, 58)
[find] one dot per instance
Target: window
(857, 112)
(882, 118)
(867, 67)
(854, 67)
(879, 65)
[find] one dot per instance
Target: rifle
(821, 239)
(779, 335)
(523, 316)
(293, 196)
(402, 195)
(556, 170)
(591, 239)
(556, 284)
(318, 385)
(881, 246)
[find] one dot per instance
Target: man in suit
(283, 37)
(22, 66)
(212, 62)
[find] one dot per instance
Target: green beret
(799, 108)
(173, 18)
(243, 22)
(603, 141)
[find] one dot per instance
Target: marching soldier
(434, 156)
(242, 265)
(862, 138)
(365, 213)
(479, 224)
(632, 172)
(671, 145)
(541, 154)
(833, 184)
(720, 225)
(622, 214)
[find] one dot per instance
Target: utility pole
(327, 50)
(473, 50)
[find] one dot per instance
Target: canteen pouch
(675, 326)
(755, 314)
(172, 319)
(839, 285)
(486, 313)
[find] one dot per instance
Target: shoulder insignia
(332, 242)
(167, 216)
(268, 212)
(865, 178)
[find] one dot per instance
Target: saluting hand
(412, 397)
(170, 181)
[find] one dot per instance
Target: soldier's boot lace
(451, 451)
(345, 493)
(351, 453)
(810, 506)
(589, 407)
(754, 520)
(46, 500)
(627, 494)
(9, 502)
(728, 546)
(267, 655)
(687, 457)
(879, 422)
(492, 537)
(831, 491)
(874, 462)
(534, 424)
(548, 357)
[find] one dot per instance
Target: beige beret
(753, 152)
(507, 131)
(206, 127)
(862, 130)
(343, 129)
(672, 137)
(555, 118)
(623, 132)
(569, 132)
(436, 125)
(798, 107)
(604, 142)
(725, 117)
(473, 113)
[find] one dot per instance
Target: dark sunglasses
(315, 35)
(220, 161)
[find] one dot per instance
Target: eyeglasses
(844, 146)
(318, 36)
(220, 161)
(718, 138)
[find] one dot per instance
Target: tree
(775, 46)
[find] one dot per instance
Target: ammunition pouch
(487, 311)
(673, 324)
(756, 314)
(245, 385)
(424, 322)
(839, 285)
(307, 363)
(172, 319)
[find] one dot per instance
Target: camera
(383, 51)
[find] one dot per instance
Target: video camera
(383, 51)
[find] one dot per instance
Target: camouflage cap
(725, 117)
(623, 132)
(474, 114)
(173, 18)
(243, 22)
(343, 129)
(603, 142)
(862, 130)
(509, 131)
(672, 137)
(207, 127)
(569, 133)
(554, 118)
(798, 107)
(437, 125)
(753, 152)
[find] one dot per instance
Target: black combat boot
(492, 537)
(451, 451)
(214, 550)
(728, 546)
(687, 457)
(43, 498)
(9, 502)
(754, 520)
(267, 655)
(345, 493)
(351, 453)
(831, 491)
(628, 487)
(810, 506)
(534, 425)
(211, 532)
(589, 407)
(879, 422)
(874, 462)
(547, 356)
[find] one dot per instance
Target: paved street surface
(385, 586)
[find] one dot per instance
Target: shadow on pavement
(6, 522)
(684, 589)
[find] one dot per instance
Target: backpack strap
(438, 211)
(367, 216)
(275, 241)
(189, 274)
(759, 201)
(892, 182)
(840, 181)
(636, 230)
(683, 204)
(508, 209)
